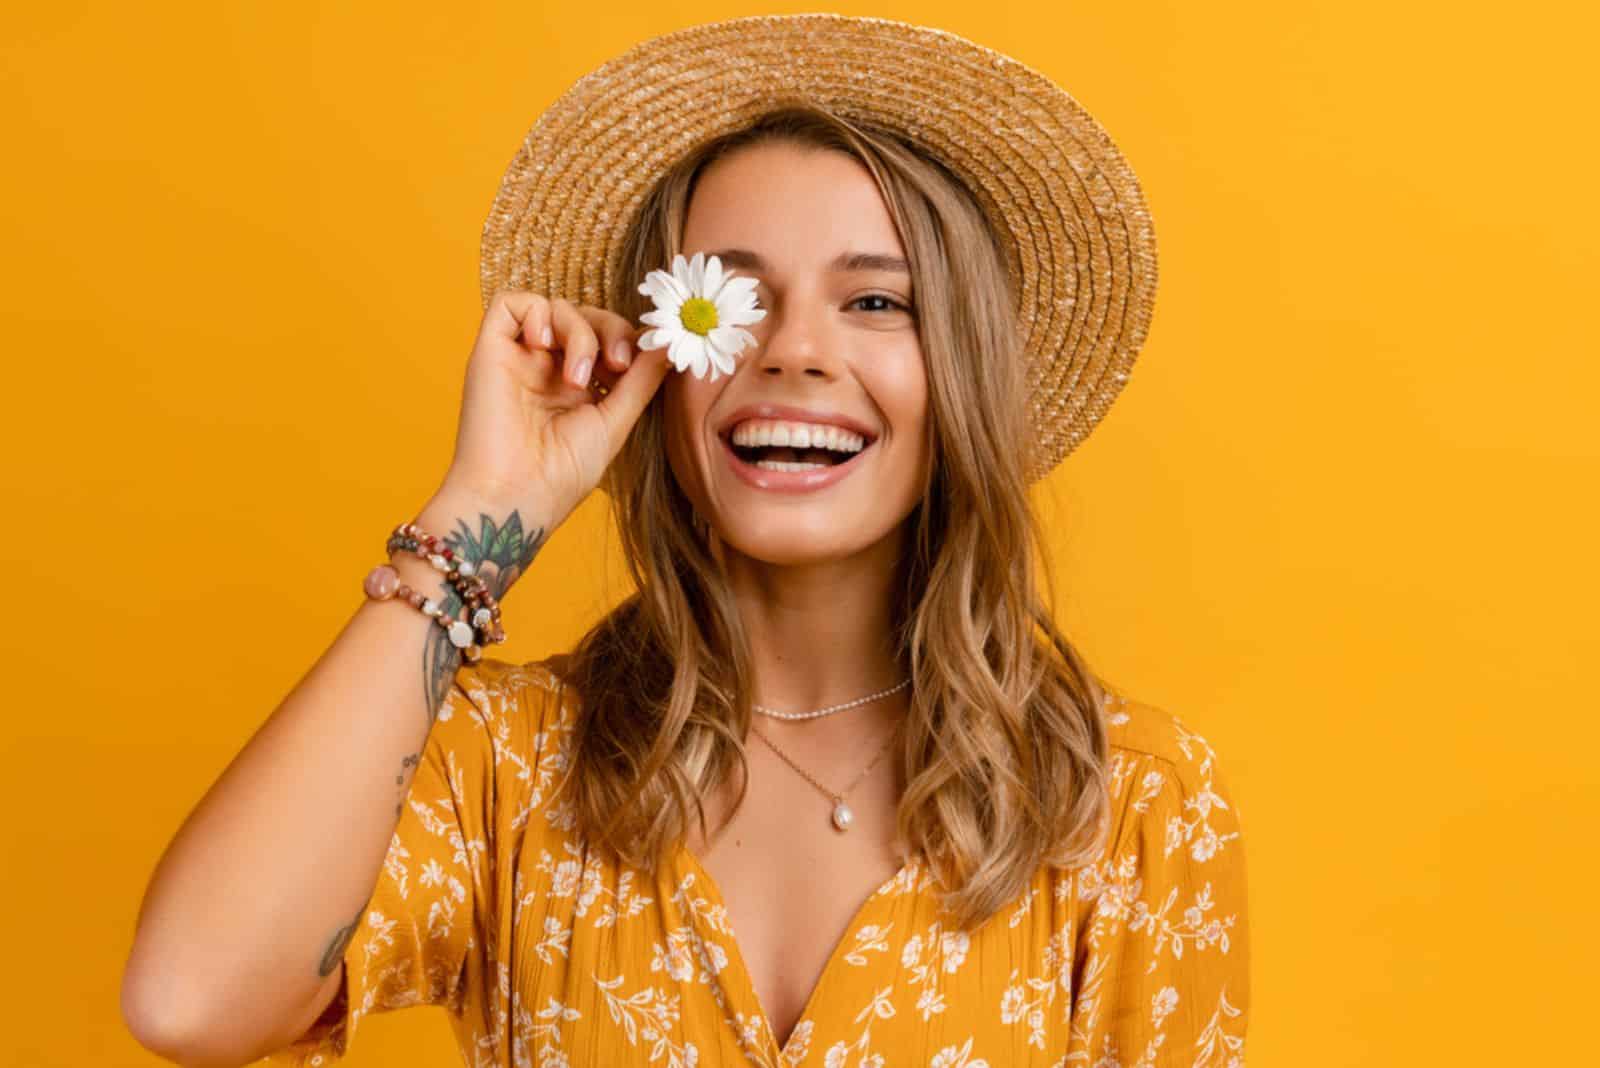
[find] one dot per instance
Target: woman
(835, 719)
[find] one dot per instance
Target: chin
(792, 545)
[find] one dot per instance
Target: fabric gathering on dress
(546, 953)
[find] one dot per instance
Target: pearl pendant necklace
(842, 816)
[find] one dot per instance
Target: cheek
(900, 387)
(901, 390)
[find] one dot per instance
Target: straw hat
(1079, 244)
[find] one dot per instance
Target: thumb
(631, 393)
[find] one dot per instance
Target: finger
(576, 339)
(519, 313)
(631, 393)
(616, 337)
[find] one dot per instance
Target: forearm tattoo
(400, 780)
(335, 951)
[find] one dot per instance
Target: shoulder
(1138, 732)
(1163, 939)
(508, 724)
(509, 697)
(1163, 770)
(499, 686)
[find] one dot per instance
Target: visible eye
(893, 304)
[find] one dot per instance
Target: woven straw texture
(1079, 242)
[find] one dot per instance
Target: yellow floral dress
(547, 954)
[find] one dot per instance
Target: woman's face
(838, 345)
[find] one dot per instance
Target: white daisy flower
(700, 314)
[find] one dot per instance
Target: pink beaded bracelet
(383, 582)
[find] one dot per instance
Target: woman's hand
(532, 435)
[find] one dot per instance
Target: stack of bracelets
(482, 610)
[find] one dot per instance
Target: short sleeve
(1162, 973)
(421, 937)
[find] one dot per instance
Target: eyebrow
(744, 259)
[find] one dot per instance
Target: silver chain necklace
(775, 714)
(842, 816)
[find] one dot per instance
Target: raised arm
(240, 935)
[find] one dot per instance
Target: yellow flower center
(698, 315)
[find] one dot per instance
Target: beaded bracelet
(482, 608)
(383, 582)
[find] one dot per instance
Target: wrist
(444, 583)
(498, 540)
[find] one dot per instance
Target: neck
(820, 634)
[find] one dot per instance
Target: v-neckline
(736, 958)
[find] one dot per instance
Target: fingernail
(581, 371)
(548, 336)
(623, 351)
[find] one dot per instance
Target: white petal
(665, 291)
(744, 301)
(686, 349)
(664, 336)
(700, 359)
(674, 281)
(739, 287)
(722, 360)
(660, 317)
(741, 316)
(651, 340)
(726, 338)
(654, 288)
(681, 276)
(727, 302)
(713, 279)
(697, 274)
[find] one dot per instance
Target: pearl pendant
(842, 815)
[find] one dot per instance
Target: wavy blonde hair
(1003, 751)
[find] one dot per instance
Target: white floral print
(490, 904)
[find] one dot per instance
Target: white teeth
(797, 435)
(784, 465)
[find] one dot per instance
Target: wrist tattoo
(499, 554)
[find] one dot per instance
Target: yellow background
(1342, 520)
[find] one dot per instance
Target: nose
(796, 342)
